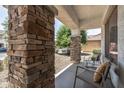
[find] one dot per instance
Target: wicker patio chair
(87, 76)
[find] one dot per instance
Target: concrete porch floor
(66, 79)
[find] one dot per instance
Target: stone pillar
(75, 47)
(31, 46)
(103, 42)
(121, 42)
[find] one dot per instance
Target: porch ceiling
(82, 16)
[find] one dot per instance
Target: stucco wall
(91, 45)
(121, 42)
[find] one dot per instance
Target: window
(111, 37)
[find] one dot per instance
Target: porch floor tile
(66, 79)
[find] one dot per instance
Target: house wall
(111, 36)
(91, 45)
(121, 43)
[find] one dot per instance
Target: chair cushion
(100, 70)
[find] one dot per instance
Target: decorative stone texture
(75, 49)
(31, 46)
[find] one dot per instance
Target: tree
(5, 27)
(83, 37)
(63, 37)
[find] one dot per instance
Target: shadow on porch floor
(66, 79)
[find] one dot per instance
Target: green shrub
(96, 51)
(94, 56)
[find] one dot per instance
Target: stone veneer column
(31, 46)
(121, 42)
(75, 47)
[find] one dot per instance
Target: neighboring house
(2, 41)
(93, 42)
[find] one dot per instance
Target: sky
(4, 14)
(57, 25)
(93, 31)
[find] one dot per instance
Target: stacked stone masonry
(31, 46)
(75, 49)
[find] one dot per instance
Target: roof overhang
(68, 16)
(82, 16)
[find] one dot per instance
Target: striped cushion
(100, 70)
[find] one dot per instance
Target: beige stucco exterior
(91, 45)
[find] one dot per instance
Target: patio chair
(87, 76)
